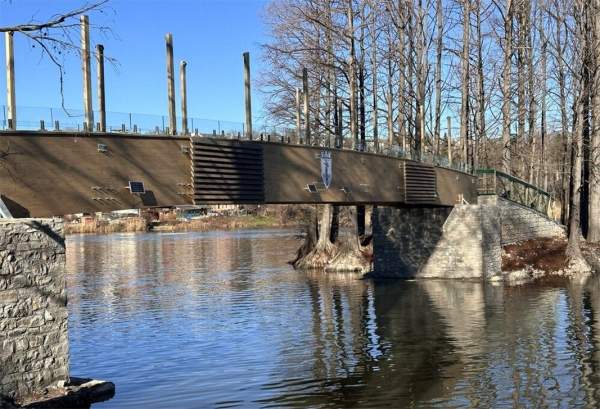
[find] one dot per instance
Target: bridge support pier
(460, 242)
(34, 353)
(33, 307)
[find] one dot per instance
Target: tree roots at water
(344, 254)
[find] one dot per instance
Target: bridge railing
(61, 119)
(495, 182)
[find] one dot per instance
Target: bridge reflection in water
(218, 319)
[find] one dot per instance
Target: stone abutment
(33, 307)
(461, 242)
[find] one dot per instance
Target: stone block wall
(33, 306)
(436, 242)
(404, 238)
(519, 223)
(461, 242)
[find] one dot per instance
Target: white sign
(326, 168)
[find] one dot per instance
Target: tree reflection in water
(211, 319)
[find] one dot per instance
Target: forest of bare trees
(517, 78)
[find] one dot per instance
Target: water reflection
(219, 319)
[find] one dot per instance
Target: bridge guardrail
(72, 120)
(495, 182)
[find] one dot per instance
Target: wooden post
(247, 95)
(171, 85)
(306, 111)
(101, 95)
(10, 82)
(87, 74)
(183, 91)
(449, 137)
(422, 131)
(340, 144)
(298, 114)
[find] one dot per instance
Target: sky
(210, 35)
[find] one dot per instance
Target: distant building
(191, 212)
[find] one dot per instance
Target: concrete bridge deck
(55, 173)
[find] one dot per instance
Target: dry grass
(222, 223)
(139, 224)
(542, 254)
(130, 224)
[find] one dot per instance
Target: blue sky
(210, 35)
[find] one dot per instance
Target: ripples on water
(220, 320)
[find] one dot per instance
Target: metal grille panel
(227, 172)
(420, 184)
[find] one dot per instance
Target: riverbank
(139, 224)
(534, 259)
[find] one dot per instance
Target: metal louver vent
(420, 184)
(227, 173)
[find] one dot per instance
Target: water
(220, 320)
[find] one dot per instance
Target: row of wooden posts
(88, 124)
(302, 94)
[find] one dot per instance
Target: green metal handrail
(495, 182)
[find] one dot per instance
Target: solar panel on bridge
(137, 187)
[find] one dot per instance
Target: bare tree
(58, 35)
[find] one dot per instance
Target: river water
(219, 319)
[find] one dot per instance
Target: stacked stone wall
(404, 238)
(33, 307)
(520, 223)
(462, 242)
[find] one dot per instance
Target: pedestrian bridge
(57, 173)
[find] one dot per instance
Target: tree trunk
(533, 140)
(521, 72)
(594, 208)
(506, 94)
(481, 125)
(352, 76)
(543, 89)
(438, 75)
(375, 90)
(565, 134)
(402, 60)
(464, 105)
(573, 249)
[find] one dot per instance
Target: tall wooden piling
(100, 80)
(10, 81)
(247, 95)
(87, 74)
(183, 92)
(449, 137)
(306, 111)
(298, 114)
(340, 108)
(171, 85)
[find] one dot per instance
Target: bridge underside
(53, 173)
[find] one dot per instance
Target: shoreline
(210, 223)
